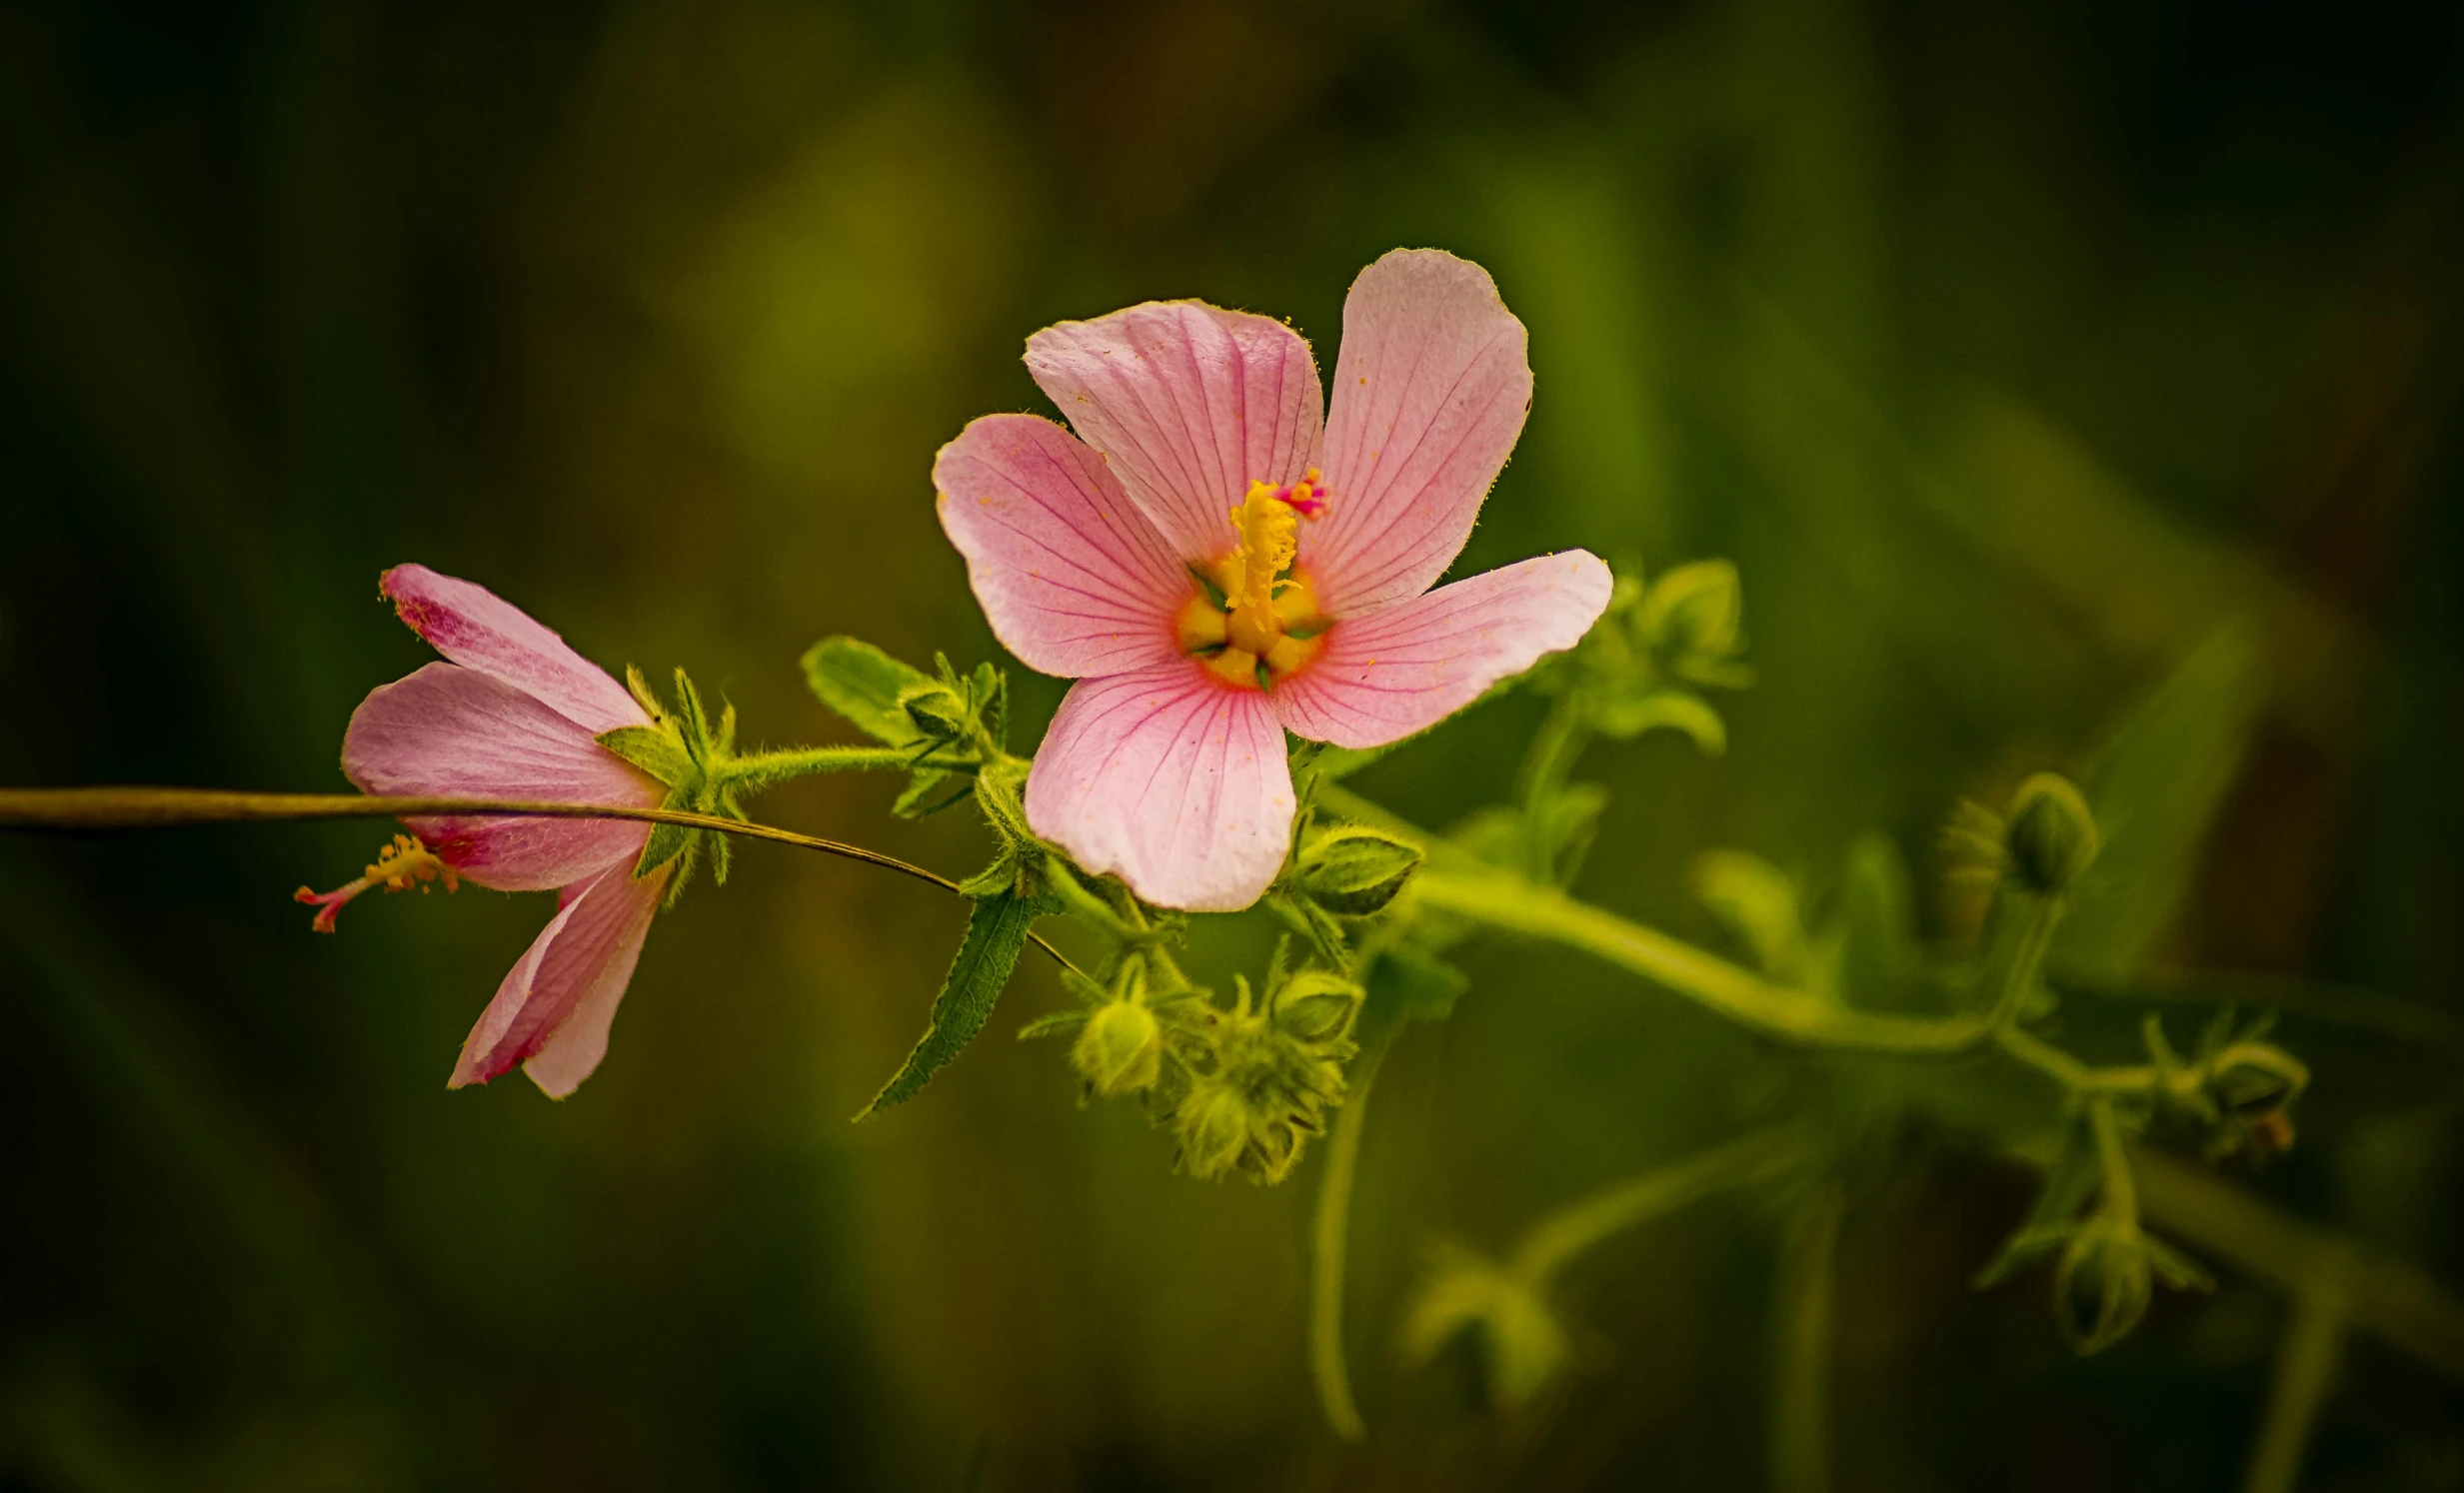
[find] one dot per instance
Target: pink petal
(1190, 405)
(475, 628)
(554, 1009)
(1404, 669)
(446, 730)
(1172, 779)
(1072, 575)
(1429, 393)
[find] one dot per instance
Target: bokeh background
(2009, 348)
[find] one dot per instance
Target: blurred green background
(2009, 348)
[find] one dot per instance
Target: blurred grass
(2010, 351)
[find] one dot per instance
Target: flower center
(399, 866)
(1255, 620)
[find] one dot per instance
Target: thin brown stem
(102, 809)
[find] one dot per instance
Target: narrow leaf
(996, 931)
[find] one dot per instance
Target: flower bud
(2251, 1079)
(2102, 1285)
(1214, 1122)
(1355, 871)
(1316, 1007)
(1694, 610)
(1121, 1049)
(2050, 839)
(937, 710)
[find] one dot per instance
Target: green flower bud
(1695, 608)
(1121, 1049)
(2050, 839)
(2256, 1078)
(1213, 1123)
(1353, 870)
(1316, 1007)
(2102, 1285)
(937, 710)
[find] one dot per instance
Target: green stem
(1559, 1238)
(2305, 1372)
(56, 811)
(1516, 905)
(1805, 1296)
(764, 770)
(2121, 1190)
(1331, 1238)
(1552, 752)
(2028, 956)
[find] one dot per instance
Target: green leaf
(1671, 709)
(1757, 902)
(1411, 984)
(1880, 959)
(656, 751)
(864, 684)
(2156, 787)
(996, 931)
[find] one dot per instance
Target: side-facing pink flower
(1218, 556)
(513, 716)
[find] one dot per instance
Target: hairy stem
(764, 770)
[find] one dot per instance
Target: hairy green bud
(2049, 839)
(937, 710)
(1318, 1007)
(1121, 1049)
(1354, 871)
(1213, 1123)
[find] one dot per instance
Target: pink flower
(1215, 566)
(513, 716)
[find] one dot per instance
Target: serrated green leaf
(996, 931)
(864, 684)
(654, 752)
(2156, 787)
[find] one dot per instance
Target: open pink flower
(513, 716)
(1215, 561)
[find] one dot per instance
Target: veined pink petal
(450, 730)
(1072, 575)
(1430, 390)
(479, 630)
(1388, 675)
(1172, 779)
(1190, 404)
(553, 1012)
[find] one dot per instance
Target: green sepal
(864, 684)
(1054, 1024)
(926, 794)
(996, 931)
(660, 754)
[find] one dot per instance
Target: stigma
(399, 866)
(1258, 621)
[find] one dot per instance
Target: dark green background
(2009, 348)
